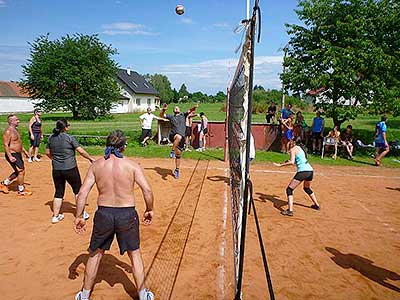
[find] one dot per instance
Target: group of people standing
(115, 177)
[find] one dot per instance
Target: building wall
(136, 102)
(16, 105)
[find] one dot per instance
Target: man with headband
(115, 177)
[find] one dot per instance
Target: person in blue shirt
(317, 134)
(286, 112)
(381, 141)
(305, 174)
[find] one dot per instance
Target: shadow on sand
(365, 267)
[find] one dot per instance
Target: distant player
(203, 132)
(304, 174)
(177, 135)
(146, 120)
(13, 149)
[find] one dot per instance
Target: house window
(148, 101)
(134, 83)
(146, 85)
(138, 101)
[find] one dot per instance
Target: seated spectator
(300, 127)
(317, 128)
(347, 141)
(271, 113)
(332, 140)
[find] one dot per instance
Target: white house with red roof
(13, 99)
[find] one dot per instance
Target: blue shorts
(289, 134)
(381, 145)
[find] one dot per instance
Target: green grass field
(363, 128)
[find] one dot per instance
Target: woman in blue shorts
(304, 174)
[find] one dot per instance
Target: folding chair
(329, 142)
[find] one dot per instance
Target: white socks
(6, 181)
(21, 188)
(85, 294)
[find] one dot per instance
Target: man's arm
(30, 128)
(6, 143)
(80, 222)
(147, 195)
(323, 127)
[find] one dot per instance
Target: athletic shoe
(78, 296)
(172, 154)
(4, 188)
(36, 159)
(145, 294)
(176, 173)
(316, 207)
(199, 149)
(24, 193)
(86, 215)
(57, 219)
(287, 212)
(30, 160)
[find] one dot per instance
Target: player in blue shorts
(381, 141)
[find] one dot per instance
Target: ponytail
(301, 145)
(60, 126)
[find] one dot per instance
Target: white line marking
(221, 267)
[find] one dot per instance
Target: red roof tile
(11, 89)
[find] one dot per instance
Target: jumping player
(304, 174)
(115, 177)
(177, 135)
(13, 151)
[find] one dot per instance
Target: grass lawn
(363, 127)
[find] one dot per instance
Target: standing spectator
(146, 119)
(347, 141)
(300, 127)
(288, 123)
(188, 133)
(317, 127)
(61, 150)
(271, 112)
(381, 141)
(286, 112)
(35, 135)
(203, 132)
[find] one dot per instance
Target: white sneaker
(30, 160)
(57, 219)
(86, 215)
(36, 159)
(78, 296)
(146, 294)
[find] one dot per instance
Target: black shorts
(316, 135)
(36, 140)
(122, 221)
(181, 145)
(205, 131)
(71, 176)
(304, 176)
(145, 133)
(18, 165)
(188, 131)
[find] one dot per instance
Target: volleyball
(179, 9)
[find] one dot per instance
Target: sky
(196, 48)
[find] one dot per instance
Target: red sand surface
(348, 250)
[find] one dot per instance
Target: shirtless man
(13, 148)
(115, 177)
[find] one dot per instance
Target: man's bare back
(115, 180)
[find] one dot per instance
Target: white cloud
(126, 28)
(186, 21)
(222, 25)
(214, 75)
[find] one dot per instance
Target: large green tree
(162, 84)
(74, 73)
(351, 49)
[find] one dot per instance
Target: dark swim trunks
(122, 221)
(181, 145)
(18, 165)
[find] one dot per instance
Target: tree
(183, 92)
(162, 84)
(344, 48)
(73, 74)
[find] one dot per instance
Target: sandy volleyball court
(348, 250)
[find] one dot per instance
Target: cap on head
(37, 111)
(201, 114)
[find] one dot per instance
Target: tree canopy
(162, 84)
(350, 48)
(74, 73)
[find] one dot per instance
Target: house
(318, 96)
(13, 99)
(137, 94)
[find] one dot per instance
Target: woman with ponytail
(305, 173)
(61, 149)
